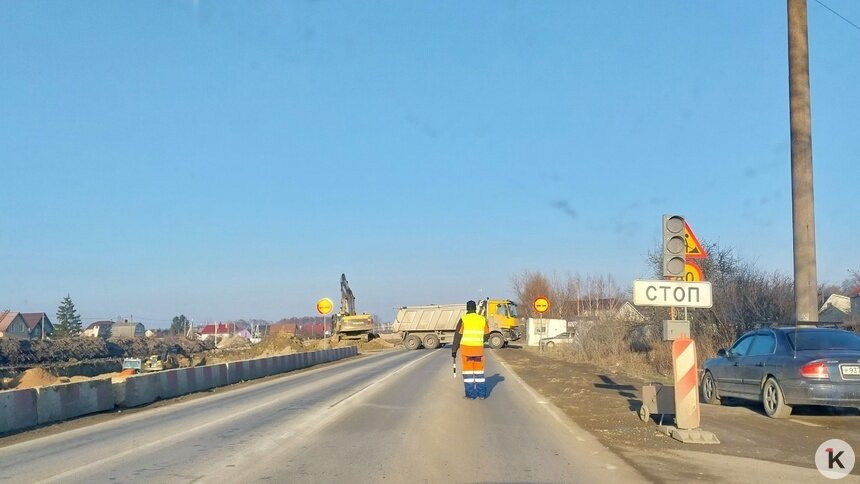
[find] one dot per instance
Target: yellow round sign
(541, 304)
(324, 306)
(692, 272)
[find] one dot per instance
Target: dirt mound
(23, 352)
(374, 345)
(36, 377)
(278, 344)
(232, 342)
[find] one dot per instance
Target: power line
(838, 15)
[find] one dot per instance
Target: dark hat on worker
(471, 306)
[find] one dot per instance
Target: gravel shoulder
(605, 403)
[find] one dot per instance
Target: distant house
(837, 309)
(127, 329)
(35, 322)
(601, 308)
(12, 325)
(213, 330)
(99, 329)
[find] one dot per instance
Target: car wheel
(774, 400)
(710, 395)
(549, 345)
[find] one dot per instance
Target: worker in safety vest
(471, 330)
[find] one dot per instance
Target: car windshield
(824, 340)
(512, 308)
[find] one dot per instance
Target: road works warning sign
(694, 247)
(672, 294)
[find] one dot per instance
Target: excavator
(347, 324)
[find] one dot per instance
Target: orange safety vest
(473, 329)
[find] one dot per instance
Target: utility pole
(802, 206)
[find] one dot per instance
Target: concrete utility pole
(802, 206)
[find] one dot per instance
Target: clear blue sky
(229, 160)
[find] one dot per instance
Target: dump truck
(346, 323)
(432, 326)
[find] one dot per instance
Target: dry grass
(636, 350)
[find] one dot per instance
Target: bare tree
(744, 295)
(571, 296)
(851, 286)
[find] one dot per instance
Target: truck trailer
(432, 326)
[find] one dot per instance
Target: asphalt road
(391, 417)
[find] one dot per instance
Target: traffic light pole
(803, 213)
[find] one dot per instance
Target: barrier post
(686, 383)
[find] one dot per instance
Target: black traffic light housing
(674, 246)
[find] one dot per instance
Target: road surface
(396, 416)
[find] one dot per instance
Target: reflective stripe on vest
(473, 330)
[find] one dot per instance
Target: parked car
(787, 366)
(559, 339)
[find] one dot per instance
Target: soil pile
(376, 344)
(35, 377)
(279, 343)
(233, 342)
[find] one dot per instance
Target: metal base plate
(692, 436)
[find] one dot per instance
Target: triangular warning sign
(694, 247)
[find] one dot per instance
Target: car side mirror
(722, 352)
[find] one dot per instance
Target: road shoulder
(605, 404)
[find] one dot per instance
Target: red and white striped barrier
(686, 383)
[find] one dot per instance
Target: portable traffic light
(674, 246)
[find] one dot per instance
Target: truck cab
(501, 313)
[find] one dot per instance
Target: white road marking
(801, 422)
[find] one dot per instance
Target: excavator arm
(347, 299)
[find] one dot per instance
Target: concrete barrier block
(210, 376)
(170, 385)
(69, 400)
(261, 368)
(192, 384)
(238, 371)
(254, 369)
(291, 362)
(139, 390)
(17, 409)
(220, 374)
(277, 365)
